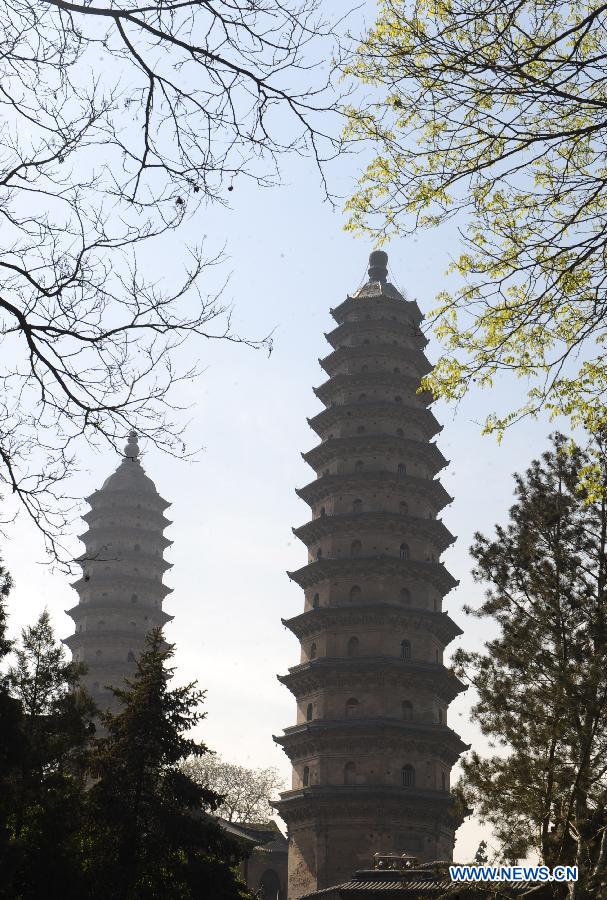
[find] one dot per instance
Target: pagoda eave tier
(357, 445)
(370, 802)
(359, 733)
(155, 563)
(321, 569)
(327, 485)
(82, 610)
(340, 413)
(124, 582)
(129, 495)
(368, 672)
(314, 621)
(347, 355)
(103, 514)
(367, 381)
(374, 297)
(104, 531)
(377, 521)
(106, 637)
(348, 333)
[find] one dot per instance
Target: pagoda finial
(378, 266)
(131, 450)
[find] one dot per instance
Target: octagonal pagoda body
(121, 591)
(372, 750)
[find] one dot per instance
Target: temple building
(372, 749)
(120, 592)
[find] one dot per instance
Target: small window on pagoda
(404, 507)
(407, 708)
(100, 623)
(404, 551)
(352, 706)
(95, 685)
(319, 553)
(366, 341)
(355, 592)
(400, 432)
(316, 601)
(134, 598)
(131, 656)
(353, 646)
(396, 370)
(133, 624)
(309, 712)
(405, 595)
(137, 548)
(364, 368)
(323, 511)
(401, 471)
(98, 653)
(408, 776)
(360, 429)
(306, 776)
(362, 396)
(350, 773)
(313, 651)
(357, 506)
(359, 466)
(398, 399)
(355, 548)
(405, 649)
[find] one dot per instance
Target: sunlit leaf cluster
(495, 112)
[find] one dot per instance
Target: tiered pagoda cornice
(127, 580)
(362, 801)
(331, 363)
(380, 297)
(400, 382)
(358, 444)
(378, 520)
(352, 735)
(105, 532)
(339, 413)
(326, 485)
(314, 621)
(149, 562)
(348, 331)
(370, 672)
(80, 611)
(360, 566)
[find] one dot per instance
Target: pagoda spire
(121, 590)
(372, 749)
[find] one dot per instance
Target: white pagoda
(120, 592)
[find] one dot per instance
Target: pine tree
(43, 854)
(542, 682)
(150, 833)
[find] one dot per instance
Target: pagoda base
(335, 830)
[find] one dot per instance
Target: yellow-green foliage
(497, 113)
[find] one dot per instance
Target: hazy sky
(234, 507)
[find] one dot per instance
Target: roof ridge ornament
(131, 450)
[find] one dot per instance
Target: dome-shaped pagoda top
(378, 284)
(130, 477)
